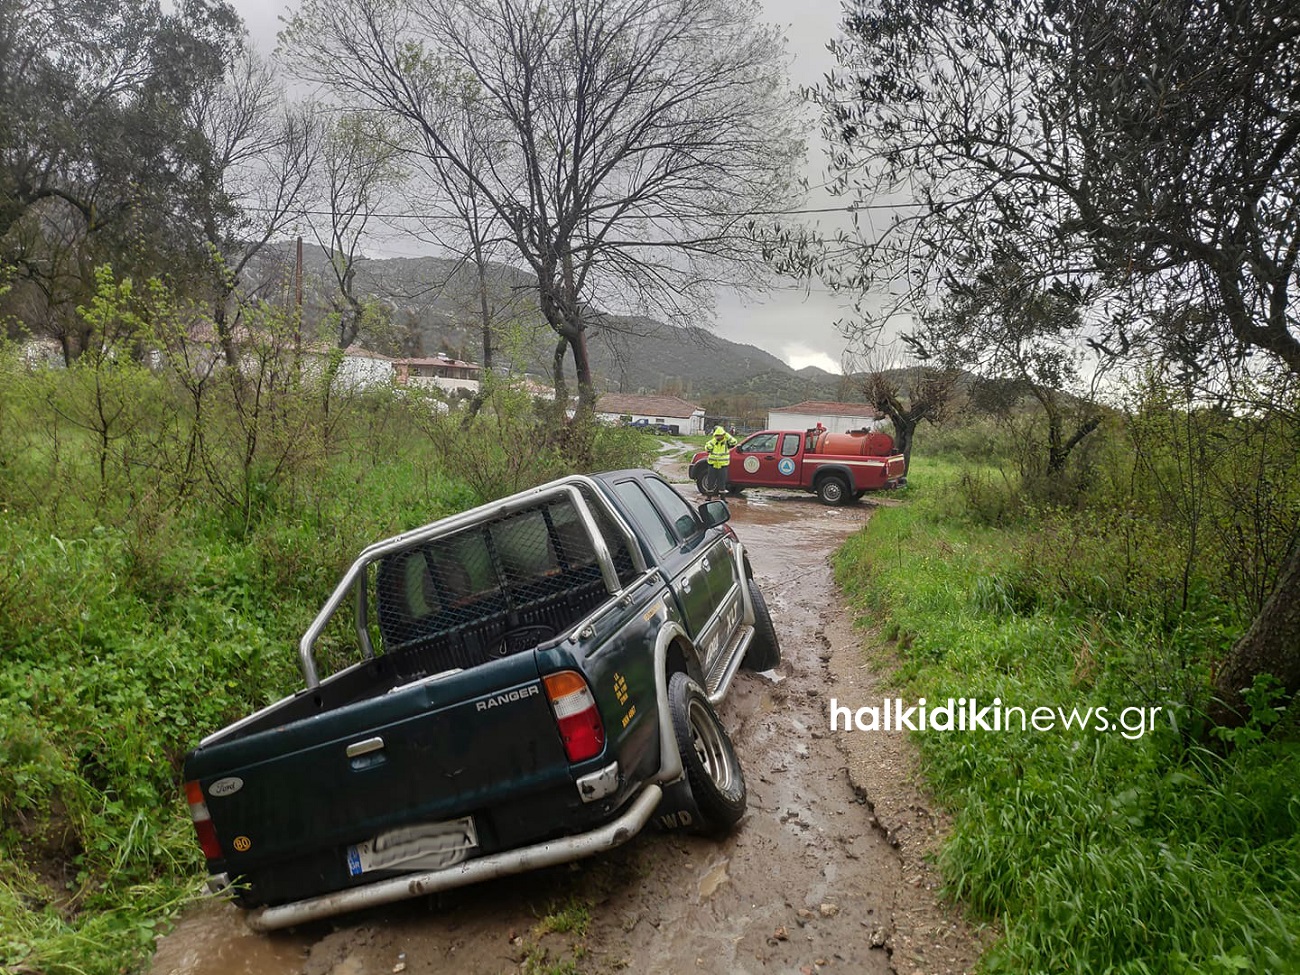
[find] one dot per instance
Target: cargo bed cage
(497, 579)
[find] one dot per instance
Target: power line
(850, 208)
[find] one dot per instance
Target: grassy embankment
(1171, 850)
(163, 544)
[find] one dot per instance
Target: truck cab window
(760, 443)
(647, 517)
(679, 514)
(789, 445)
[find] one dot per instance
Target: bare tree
(642, 136)
(456, 215)
(357, 171)
(260, 159)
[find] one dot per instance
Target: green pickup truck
(523, 684)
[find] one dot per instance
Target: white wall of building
(833, 422)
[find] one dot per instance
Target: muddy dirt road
(811, 881)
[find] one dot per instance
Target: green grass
(1095, 853)
(150, 601)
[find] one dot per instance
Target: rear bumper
(394, 889)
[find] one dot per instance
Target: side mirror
(714, 513)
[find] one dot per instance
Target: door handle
(705, 562)
(686, 585)
(365, 747)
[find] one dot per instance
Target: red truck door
(789, 465)
(754, 461)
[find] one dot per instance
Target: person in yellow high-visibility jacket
(719, 447)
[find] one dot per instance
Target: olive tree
(1147, 150)
(99, 161)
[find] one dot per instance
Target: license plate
(424, 846)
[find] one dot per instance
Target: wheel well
(681, 658)
(826, 472)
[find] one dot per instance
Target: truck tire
(832, 489)
(713, 480)
(764, 651)
(717, 793)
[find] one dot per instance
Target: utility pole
(297, 299)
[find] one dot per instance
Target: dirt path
(811, 881)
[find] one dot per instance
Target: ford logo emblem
(225, 787)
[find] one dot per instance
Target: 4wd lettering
(509, 697)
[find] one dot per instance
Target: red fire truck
(837, 467)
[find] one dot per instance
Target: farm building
(655, 410)
(835, 417)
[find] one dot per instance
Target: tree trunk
(582, 366)
(484, 312)
(904, 434)
(557, 376)
(224, 336)
(1270, 646)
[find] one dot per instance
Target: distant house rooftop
(440, 370)
(826, 408)
(439, 361)
(627, 404)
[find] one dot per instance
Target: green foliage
(512, 442)
(1096, 851)
(168, 528)
(153, 591)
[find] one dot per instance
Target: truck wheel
(764, 651)
(717, 784)
(713, 480)
(832, 489)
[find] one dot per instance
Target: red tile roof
(438, 361)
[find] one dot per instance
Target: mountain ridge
(433, 306)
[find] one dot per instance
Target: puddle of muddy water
(714, 878)
(213, 939)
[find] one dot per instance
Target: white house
(835, 417)
(668, 410)
(440, 371)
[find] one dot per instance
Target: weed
(572, 917)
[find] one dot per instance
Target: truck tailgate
(426, 752)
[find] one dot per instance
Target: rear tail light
(207, 832)
(576, 715)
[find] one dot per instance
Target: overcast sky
(795, 321)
